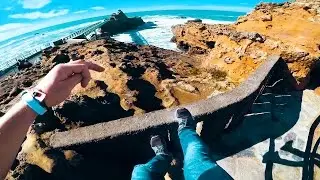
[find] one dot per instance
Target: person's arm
(57, 86)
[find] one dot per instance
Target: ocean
(159, 35)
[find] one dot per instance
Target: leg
(158, 166)
(155, 169)
(197, 161)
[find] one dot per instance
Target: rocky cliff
(140, 79)
(137, 79)
(290, 30)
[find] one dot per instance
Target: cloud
(34, 4)
(11, 26)
(79, 12)
(8, 8)
(97, 8)
(40, 15)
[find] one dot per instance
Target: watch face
(38, 95)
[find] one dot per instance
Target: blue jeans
(197, 161)
(155, 169)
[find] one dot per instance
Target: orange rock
(289, 30)
(317, 91)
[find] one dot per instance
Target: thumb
(72, 81)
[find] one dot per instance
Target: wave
(161, 34)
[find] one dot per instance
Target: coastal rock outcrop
(290, 30)
(119, 22)
(137, 79)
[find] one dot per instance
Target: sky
(19, 16)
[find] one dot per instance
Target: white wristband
(34, 104)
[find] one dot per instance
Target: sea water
(159, 34)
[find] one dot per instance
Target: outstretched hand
(60, 81)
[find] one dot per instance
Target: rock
(267, 30)
(195, 21)
(173, 39)
(186, 87)
(317, 91)
(73, 157)
(61, 58)
(24, 64)
(267, 17)
(228, 60)
(119, 22)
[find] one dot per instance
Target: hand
(60, 81)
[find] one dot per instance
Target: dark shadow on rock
(61, 58)
(314, 77)
(133, 70)
(120, 47)
(47, 122)
(164, 71)
(83, 110)
(146, 98)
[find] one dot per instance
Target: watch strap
(34, 104)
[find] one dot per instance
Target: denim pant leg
(197, 161)
(155, 169)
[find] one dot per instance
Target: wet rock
(195, 21)
(173, 39)
(61, 58)
(119, 22)
(24, 64)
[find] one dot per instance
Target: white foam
(161, 35)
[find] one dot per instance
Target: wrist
(26, 110)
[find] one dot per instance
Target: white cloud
(40, 15)
(34, 4)
(79, 12)
(8, 8)
(97, 8)
(11, 26)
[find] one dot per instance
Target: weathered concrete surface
(280, 157)
(201, 110)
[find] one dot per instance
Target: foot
(158, 145)
(185, 119)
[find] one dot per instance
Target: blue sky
(17, 16)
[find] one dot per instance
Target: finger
(79, 69)
(94, 66)
(86, 77)
(91, 65)
(72, 81)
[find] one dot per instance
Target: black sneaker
(158, 145)
(185, 119)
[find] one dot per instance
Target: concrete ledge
(228, 104)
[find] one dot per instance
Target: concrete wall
(219, 110)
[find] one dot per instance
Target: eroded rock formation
(290, 30)
(119, 22)
(137, 79)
